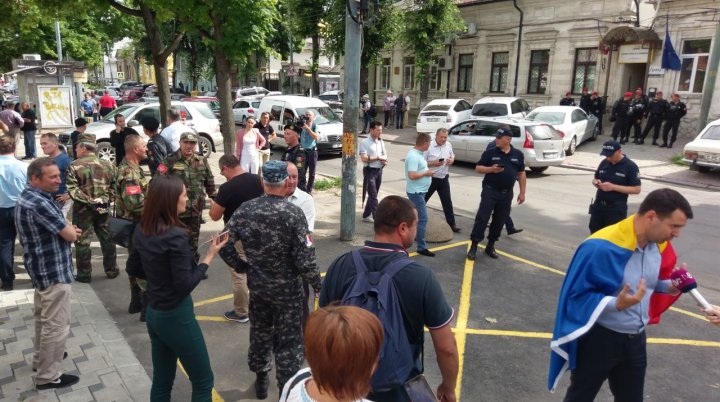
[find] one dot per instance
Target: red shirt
(107, 101)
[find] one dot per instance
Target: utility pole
(709, 86)
(351, 107)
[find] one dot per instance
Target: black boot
(490, 250)
(135, 302)
(144, 300)
(262, 382)
(472, 252)
(670, 144)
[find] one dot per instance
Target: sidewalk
(655, 163)
(97, 352)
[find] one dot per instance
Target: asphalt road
(504, 308)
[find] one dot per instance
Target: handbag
(120, 230)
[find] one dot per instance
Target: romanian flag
(593, 279)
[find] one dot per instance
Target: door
(458, 136)
(579, 121)
(477, 143)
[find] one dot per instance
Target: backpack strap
(390, 269)
(299, 377)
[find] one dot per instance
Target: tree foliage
(306, 21)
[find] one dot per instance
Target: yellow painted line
(517, 334)
(215, 395)
(211, 318)
(688, 313)
(445, 247)
(213, 300)
(688, 342)
(462, 319)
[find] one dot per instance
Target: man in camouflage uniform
(89, 183)
(295, 153)
(131, 185)
(278, 256)
(195, 172)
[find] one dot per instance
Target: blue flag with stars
(670, 59)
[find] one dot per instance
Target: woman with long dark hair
(163, 255)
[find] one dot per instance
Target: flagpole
(710, 79)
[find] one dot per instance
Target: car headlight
(322, 137)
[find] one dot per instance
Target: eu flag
(670, 59)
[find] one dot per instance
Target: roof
(630, 34)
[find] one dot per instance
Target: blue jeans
(30, 143)
(399, 118)
(367, 119)
(419, 200)
(7, 244)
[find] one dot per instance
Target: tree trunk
(222, 68)
(424, 86)
(159, 59)
(315, 63)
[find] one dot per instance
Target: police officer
(585, 102)
(639, 105)
(615, 178)
(568, 100)
(655, 114)
(295, 153)
(501, 166)
(597, 108)
(676, 110)
(131, 185)
(622, 115)
(195, 172)
(90, 183)
(279, 254)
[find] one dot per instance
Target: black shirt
(622, 110)
(586, 103)
(32, 124)
(241, 188)
(675, 111)
(596, 106)
(266, 132)
(298, 157)
(158, 149)
(168, 264)
(567, 102)
(624, 173)
(657, 108)
(513, 161)
(118, 141)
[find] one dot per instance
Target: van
(285, 109)
(496, 106)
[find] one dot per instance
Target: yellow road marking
(213, 300)
(462, 319)
(215, 395)
(211, 318)
(688, 313)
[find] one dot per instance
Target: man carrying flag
(604, 301)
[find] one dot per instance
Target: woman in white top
(248, 142)
(342, 347)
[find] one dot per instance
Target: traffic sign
(291, 71)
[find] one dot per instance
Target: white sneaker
(369, 219)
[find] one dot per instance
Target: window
(275, 111)
(462, 106)
(435, 77)
(695, 54)
(385, 74)
(142, 114)
(499, 71)
(537, 80)
(584, 71)
(577, 115)
(408, 73)
(465, 69)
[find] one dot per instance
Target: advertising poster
(54, 106)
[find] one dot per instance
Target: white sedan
(573, 123)
(442, 113)
(245, 108)
(703, 153)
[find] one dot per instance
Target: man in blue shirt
(13, 178)
(51, 147)
(308, 140)
(46, 237)
(418, 179)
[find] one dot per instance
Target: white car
(442, 113)
(496, 106)
(573, 123)
(245, 108)
(198, 117)
(703, 153)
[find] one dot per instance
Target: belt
(499, 190)
(605, 203)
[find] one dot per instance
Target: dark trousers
(388, 117)
(605, 354)
(366, 122)
(670, 125)
(495, 203)
(600, 122)
(311, 160)
(399, 118)
(443, 189)
(372, 177)
(29, 138)
(620, 129)
(8, 233)
(654, 122)
(602, 215)
(509, 224)
(637, 126)
(175, 334)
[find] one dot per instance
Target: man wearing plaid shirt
(46, 237)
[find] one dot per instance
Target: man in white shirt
(439, 157)
(406, 111)
(374, 156)
(173, 130)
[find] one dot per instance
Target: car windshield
(204, 110)
(125, 110)
(543, 132)
(323, 114)
(548, 117)
(331, 98)
(712, 133)
(442, 108)
(490, 109)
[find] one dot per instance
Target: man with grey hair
(174, 128)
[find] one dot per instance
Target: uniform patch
(133, 190)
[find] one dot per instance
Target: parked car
(541, 144)
(285, 109)
(572, 122)
(255, 92)
(334, 99)
(703, 153)
(211, 101)
(245, 108)
(129, 85)
(132, 95)
(442, 113)
(496, 106)
(198, 117)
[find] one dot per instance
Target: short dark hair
(422, 138)
(391, 212)
(173, 114)
(131, 142)
(150, 123)
(7, 144)
(263, 114)
(374, 124)
(665, 201)
(160, 211)
(228, 161)
(117, 116)
(441, 130)
(36, 167)
(50, 136)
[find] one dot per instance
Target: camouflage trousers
(275, 327)
(193, 225)
(89, 221)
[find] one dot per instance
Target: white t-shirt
(435, 153)
(172, 134)
(298, 393)
(306, 203)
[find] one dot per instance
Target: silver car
(573, 123)
(541, 144)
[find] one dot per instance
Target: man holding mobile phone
(439, 157)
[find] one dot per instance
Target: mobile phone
(441, 160)
(501, 165)
(419, 390)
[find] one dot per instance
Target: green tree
(306, 20)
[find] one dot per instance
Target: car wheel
(595, 133)
(205, 146)
(572, 146)
(538, 169)
(106, 151)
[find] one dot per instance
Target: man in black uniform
(615, 178)
(295, 152)
(567, 100)
(585, 102)
(639, 105)
(676, 110)
(655, 114)
(597, 108)
(622, 115)
(501, 166)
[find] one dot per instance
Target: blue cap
(503, 132)
(274, 171)
(609, 148)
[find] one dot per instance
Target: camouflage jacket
(298, 157)
(279, 253)
(198, 178)
(90, 179)
(131, 185)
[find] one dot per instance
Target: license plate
(712, 157)
(550, 155)
(432, 119)
(336, 145)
